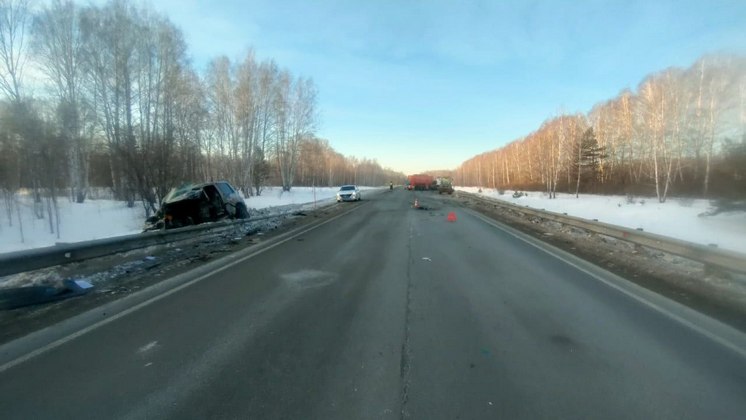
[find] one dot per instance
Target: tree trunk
(20, 221)
(579, 167)
(655, 173)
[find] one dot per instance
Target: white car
(349, 193)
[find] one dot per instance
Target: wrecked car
(192, 204)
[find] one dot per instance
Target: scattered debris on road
(19, 297)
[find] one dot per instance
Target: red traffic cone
(451, 217)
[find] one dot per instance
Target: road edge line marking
(15, 361)
(634, 291)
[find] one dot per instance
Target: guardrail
(710, 256)
(34, 259)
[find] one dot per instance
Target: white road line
(99, 324)
(737, 342)
(148, 347)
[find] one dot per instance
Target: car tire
(241, 211)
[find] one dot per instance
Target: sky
(428, 84)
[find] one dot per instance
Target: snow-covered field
(676, 218)
(681, 219)
(96, 219)
(275, 197)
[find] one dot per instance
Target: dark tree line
(682, 131)
(116, 102)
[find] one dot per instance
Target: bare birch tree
(14, 21)
(295, 103)
(58, 48)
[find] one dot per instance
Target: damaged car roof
(185, 192)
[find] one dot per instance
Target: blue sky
(428, 84)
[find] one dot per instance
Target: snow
(103, 218)
(96, 219)
(676, 218)
(93, 219)
(275, 197)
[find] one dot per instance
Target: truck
(420, 182)
(445, 185)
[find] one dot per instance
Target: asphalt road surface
(392, 312)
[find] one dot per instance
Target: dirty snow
(676, 218)
(103, 218)
(96, 219)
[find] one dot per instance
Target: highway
(392, 312)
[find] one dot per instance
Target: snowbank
(96, 219)
(275, 196)
(93, 219)
(676, 218)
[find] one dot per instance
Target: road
(392, 312)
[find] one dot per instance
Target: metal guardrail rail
(35, 259)
(710, 256)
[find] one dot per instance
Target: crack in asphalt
(406, 359)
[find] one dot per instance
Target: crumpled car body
(192, 204)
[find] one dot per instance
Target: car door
(230, 196)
